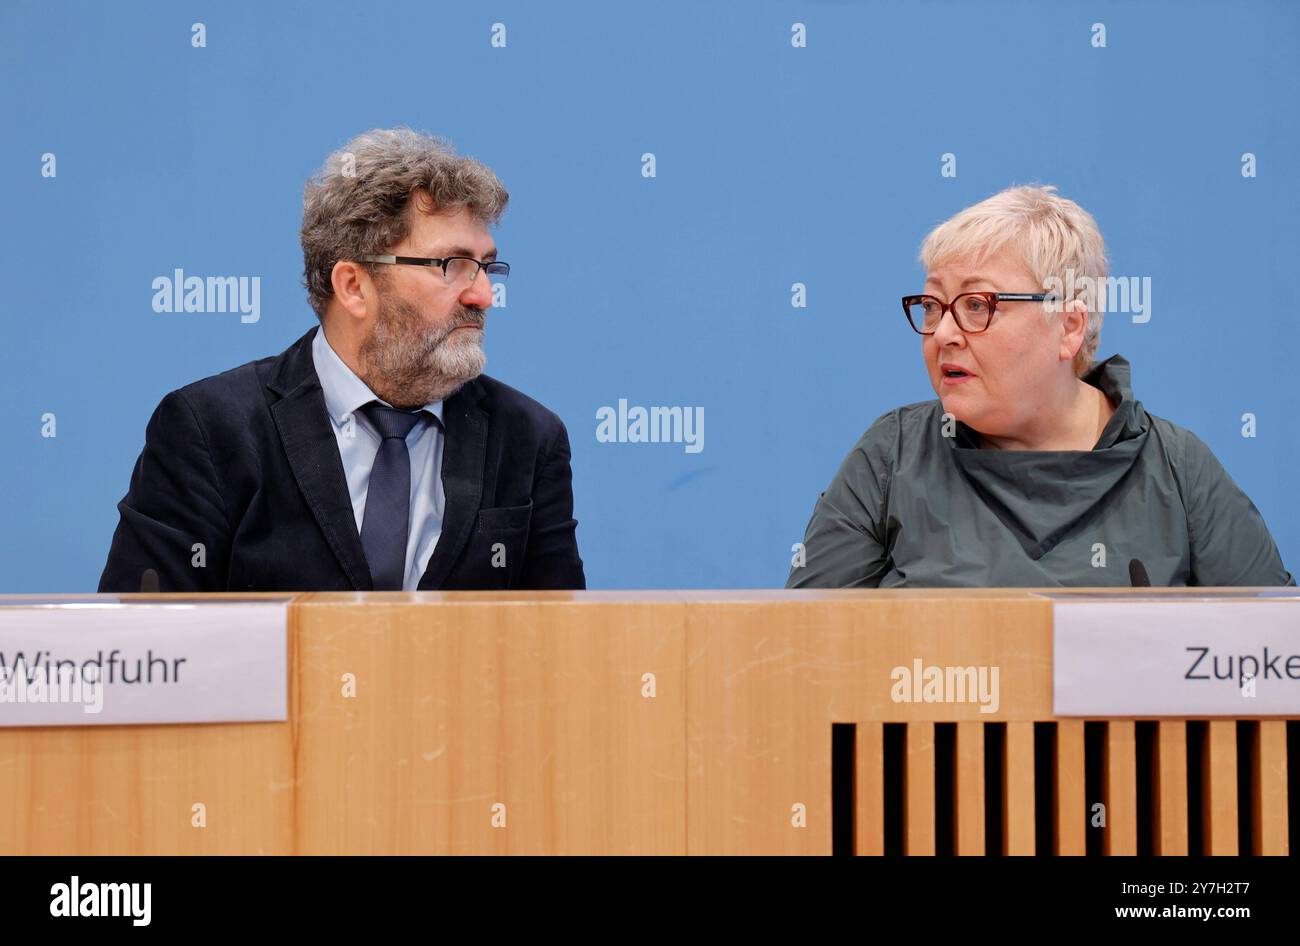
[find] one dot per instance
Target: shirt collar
(345, 393)
(1113, 377)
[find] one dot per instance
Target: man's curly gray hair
(360, 202)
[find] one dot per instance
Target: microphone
(149, 582)
(1137, 574)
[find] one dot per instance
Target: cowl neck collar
(1041, 495)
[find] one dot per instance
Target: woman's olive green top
(918, 503)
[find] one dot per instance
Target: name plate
(1176, 657)
(94, 663)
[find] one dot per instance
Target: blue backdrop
(774, 164)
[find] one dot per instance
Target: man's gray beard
(409, 365)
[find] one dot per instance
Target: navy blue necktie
(388, 497)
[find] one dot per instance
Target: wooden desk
(651, 723)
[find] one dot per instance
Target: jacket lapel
(313, 451)
(464, 455)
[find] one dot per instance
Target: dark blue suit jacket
(246, 463)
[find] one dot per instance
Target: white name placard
(91, 663)
(1176, 657)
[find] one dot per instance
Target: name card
(97, 663)
(1176, 657)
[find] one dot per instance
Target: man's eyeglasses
(972, 310)
(456, 270)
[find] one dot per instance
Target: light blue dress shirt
(358, 441)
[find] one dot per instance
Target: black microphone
(149, 582)
(1137, 574)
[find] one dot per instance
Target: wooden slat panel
(1071, 789)
(768, 674)
(869, 789)
(1220, 788)
(968, 784)
(1169, 793)
(1018, 790)
(1119, 781)
(918, 790)
(1270, 796)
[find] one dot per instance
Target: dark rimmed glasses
(973, 311)
(456, 270)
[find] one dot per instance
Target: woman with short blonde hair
(1035, 466)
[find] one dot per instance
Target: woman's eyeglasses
(972, 310)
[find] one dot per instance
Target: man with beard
(372, 454)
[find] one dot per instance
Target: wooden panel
(1169, 793)
(103, 790)
(767, 681)
(478, 727)
(1018, 789)
(759, 730)
(1270, 790)
(869, 657)
(869, 789)
(968, 785)
(1220, 788)
(131, 790)
(918, 790)
(1119, 781)
(1070, 790)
